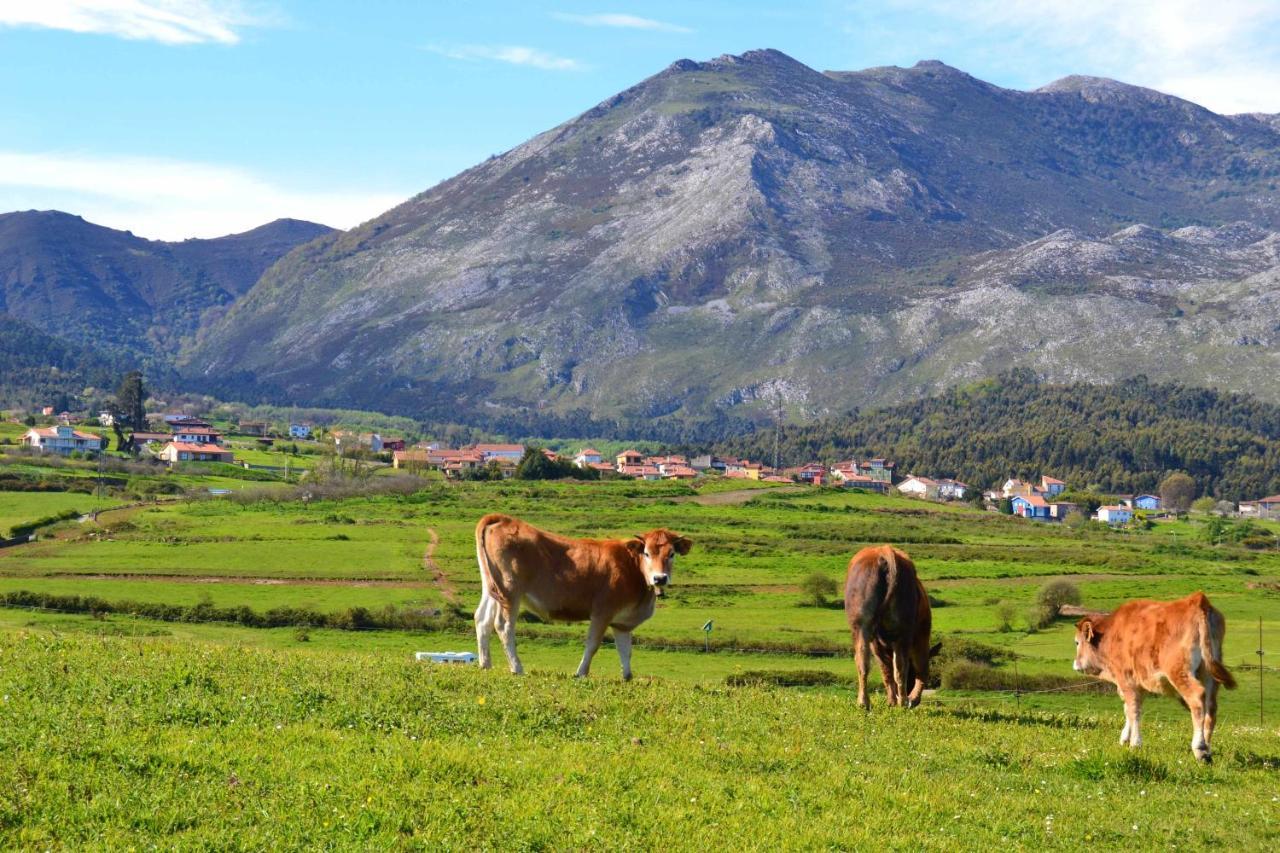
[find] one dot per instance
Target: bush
(1051, 597)
(819, 587)
(786, 678)
(967, 675)
(1004, 617)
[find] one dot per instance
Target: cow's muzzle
(660, 581)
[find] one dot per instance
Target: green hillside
(1114, 438)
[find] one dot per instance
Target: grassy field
(337, 738)
(248, 748)
(20, 507)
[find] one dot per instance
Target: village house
(1266, 508)
(47, 411)
(952, 490)
(1147, 502)
(628, 458)
(919, 487)
(511, 452)
(1061, 509)
(392, 444)
(181, 451)
(1031, 506)
(253, 428)
(862, 481)
(141, 438)
(106, 418)
(61, 439)
(196, 435)
(704, 462)
(1114, 514)
(812, 473)
(587, 456)
(300, 430)
(678, 472)
(1052, 487)
(185, 421)
(641, 472)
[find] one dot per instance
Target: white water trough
(446, 657)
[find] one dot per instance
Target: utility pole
(777, 429)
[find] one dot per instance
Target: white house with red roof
(587, 456)
(919, 487)
(61, 439)
(182, 451)
(196, 435)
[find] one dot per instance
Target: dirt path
(736, 497)
(438, 577)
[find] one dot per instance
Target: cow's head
(1088, 657)
(656, 551)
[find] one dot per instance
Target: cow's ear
(1087, 631)
(933, 651)
(682, 545)
(636, 545)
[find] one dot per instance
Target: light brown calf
(1159, 646)
(888, 612)
(610, 583)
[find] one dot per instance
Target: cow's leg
(485, 614)
(1210, 710)
(622, 641)
(595, 635)
(884, 655)
(1193, 693)
(900, 666)
(1131, 735)
(861, 657)
(505, 622)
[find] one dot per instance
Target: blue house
(1031, 506)
(1146, 502)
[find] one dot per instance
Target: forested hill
(1115, 438)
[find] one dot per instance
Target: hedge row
(351, 619)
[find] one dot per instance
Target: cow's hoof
(626, 676)
(1204, 757)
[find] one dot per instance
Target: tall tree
(1177, 491)
(130, 409)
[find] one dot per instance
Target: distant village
(183, 438)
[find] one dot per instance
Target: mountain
(1121, 438)
(734, 233)
(115, 293)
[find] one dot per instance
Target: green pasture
(216, 746)
(20, 507)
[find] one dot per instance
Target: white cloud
(169, 199)
(166, 21)
(1223, 55)
(510, 54)
(621, 21)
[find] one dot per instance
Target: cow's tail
(890, 562)
(487, 588)
(1212, 628)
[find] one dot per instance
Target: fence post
(1017, 685)
(1260, 673)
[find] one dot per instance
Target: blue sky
(178, 119)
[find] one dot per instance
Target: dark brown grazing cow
(1172, 647)
(612, 583)
(888, 612)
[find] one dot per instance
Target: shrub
(1051, 597)
(819, 587)
(1004, 617)
(786, 678)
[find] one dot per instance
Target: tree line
(1120, 438)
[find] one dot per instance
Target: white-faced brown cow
(888, 612)
(612, 583)
(1173, 647)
